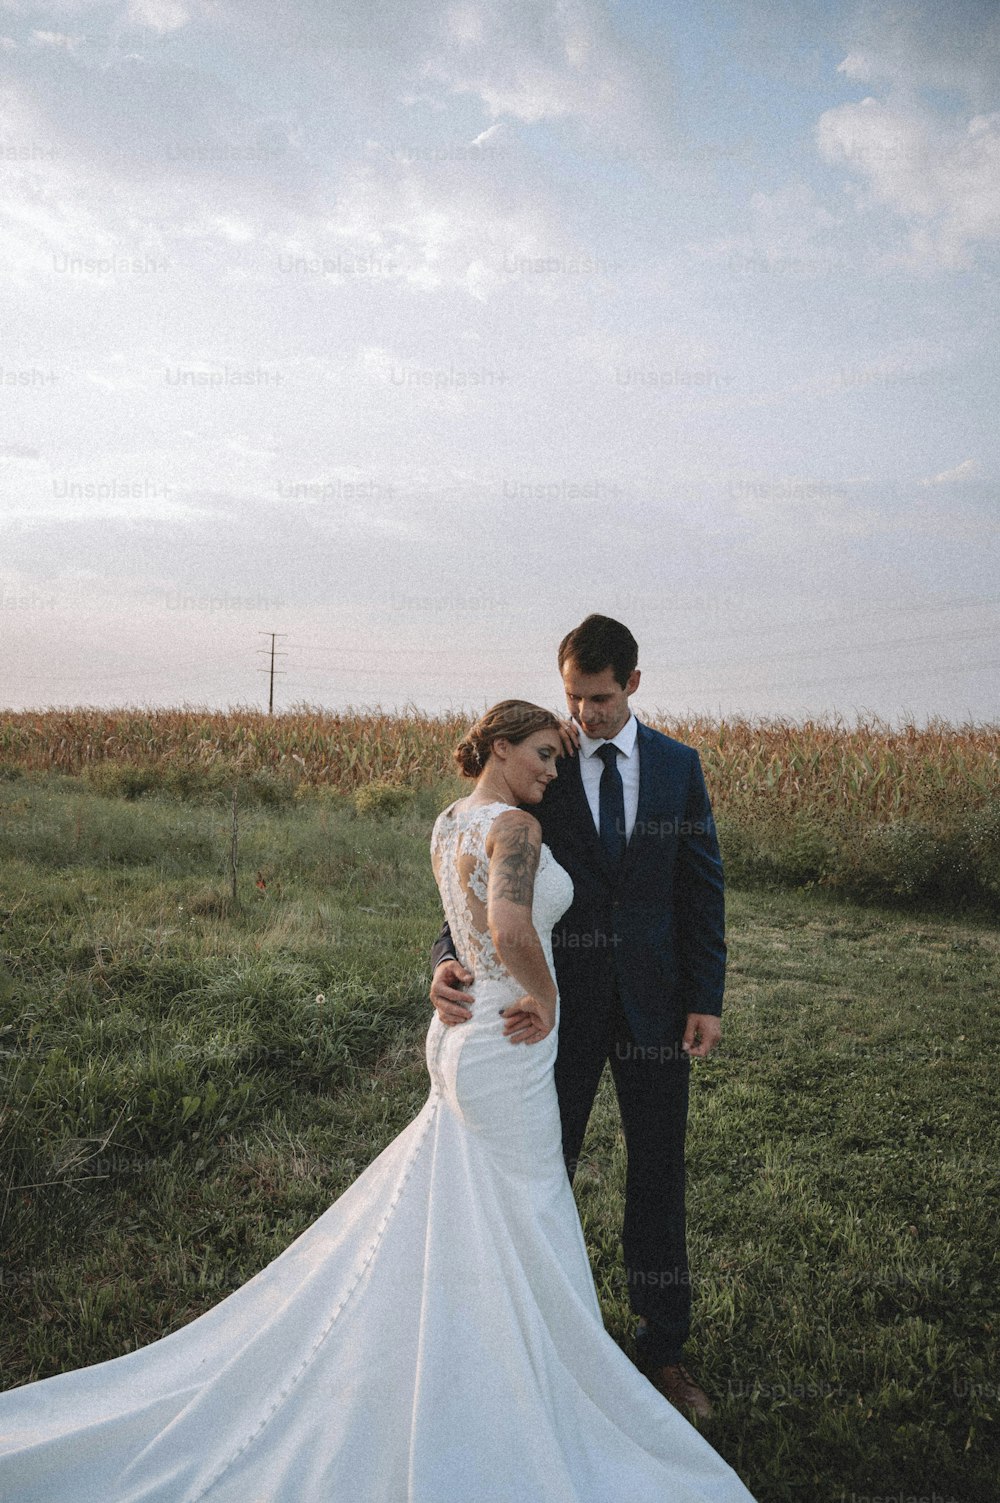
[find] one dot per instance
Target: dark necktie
(612, 804)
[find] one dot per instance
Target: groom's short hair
(598, 643)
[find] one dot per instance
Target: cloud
(914, 48)
(925, 142)
(969, 472)
(489, 134)
(460, 227)
(151, 140)
(56, 39)
(138, 119)
(162, 16)
(362, 47)
(38, 8)
(545, 62)
(941, 177)
(140, 156)
(789, 231)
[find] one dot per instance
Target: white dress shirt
(591, 768)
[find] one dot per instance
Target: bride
(435, 1336)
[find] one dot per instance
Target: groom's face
(597, 701)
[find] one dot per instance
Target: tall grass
(816, 767)
(341, 751)
(876, 811)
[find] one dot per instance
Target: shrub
(982, 834)
(267, 788)
(123, 779)
(382, 796)
(904, 858)
(189, 780)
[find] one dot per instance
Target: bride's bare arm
(513, 847)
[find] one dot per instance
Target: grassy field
(188, 1084)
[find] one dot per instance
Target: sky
(414, 332)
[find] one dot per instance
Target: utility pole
(272, 635)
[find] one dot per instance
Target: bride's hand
(569, 734)
(528, 1021)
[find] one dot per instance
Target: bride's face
(530, 765)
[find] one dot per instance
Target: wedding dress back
(434, 1337)
(461, 869)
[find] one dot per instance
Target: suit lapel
(577, 809)
(644, 741)
(579, 813)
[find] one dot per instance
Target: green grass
(188, 1085)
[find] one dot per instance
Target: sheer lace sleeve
(461, 867)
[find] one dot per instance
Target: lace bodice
(461, 867)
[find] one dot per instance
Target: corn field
(342, 751)
(870, 773)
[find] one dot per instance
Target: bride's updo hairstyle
(513, 719)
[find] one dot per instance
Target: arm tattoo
(515, 868)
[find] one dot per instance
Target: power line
(929, 671)
(847, 614)
(941, 639)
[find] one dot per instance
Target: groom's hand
(453, 1006)
(703, 1032)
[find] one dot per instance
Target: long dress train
(434, 1337)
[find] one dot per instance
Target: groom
(640, 964)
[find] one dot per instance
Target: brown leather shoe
(676, 1384)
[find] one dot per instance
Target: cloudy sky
(415, 331)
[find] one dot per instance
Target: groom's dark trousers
(641, 946)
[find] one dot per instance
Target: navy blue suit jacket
(656, 927)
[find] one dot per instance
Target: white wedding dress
(434, 1337)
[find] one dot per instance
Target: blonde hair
(513, 719)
